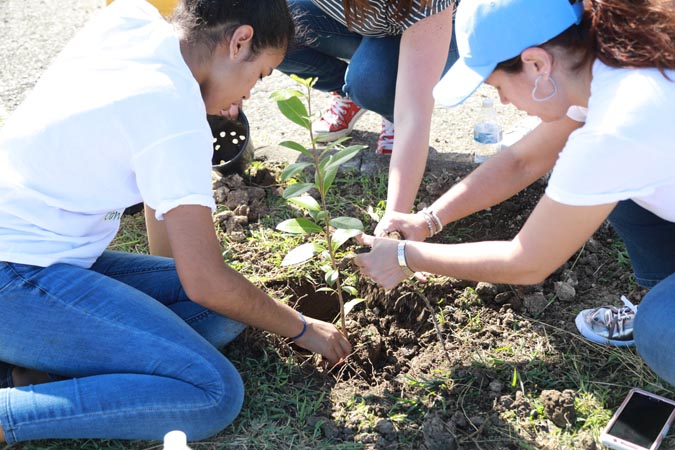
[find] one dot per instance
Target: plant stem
(326, 222)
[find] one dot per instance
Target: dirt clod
(559, 406)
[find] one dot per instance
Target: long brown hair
(620, 33)
(356, 11)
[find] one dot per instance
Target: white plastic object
(487, 132)
(175, 440)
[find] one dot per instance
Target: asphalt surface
(34, 31)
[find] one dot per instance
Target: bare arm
(158, 240)
(494, 181)
(549, 237)
(506, 173)
(423, 53)
(207, 280)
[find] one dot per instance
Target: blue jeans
(132, 357)
(650, 242)
(325, 45)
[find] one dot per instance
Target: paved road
(32, 32)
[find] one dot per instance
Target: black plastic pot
(232, 149)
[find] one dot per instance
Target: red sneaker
(385, 143)
(338, 121)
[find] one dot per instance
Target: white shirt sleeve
(176, 171)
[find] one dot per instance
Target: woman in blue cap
(131, 342)
(610, 67)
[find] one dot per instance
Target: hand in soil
(323, 338)
(411, 226)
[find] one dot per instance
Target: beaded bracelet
(435, 218)
(304, 327)
(428, 220)
(402, 260)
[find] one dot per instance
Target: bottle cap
(175, 440)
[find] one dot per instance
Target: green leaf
(345, 155)
(328, 178)
(347, 222)
(281, 95)
(338, 143)
(295, 190)
(320, 216)
(295, 111)
(342, 235)
(331, 276)
(299, 255)
(351, 304)
(309, 82)
(351, 290)
(307, 202)
(299, 226)
(293, 169)
(297, 147)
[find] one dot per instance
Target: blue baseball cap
(491, 31)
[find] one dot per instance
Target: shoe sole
(588, 334)
(335, 135)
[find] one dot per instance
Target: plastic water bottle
(487, 133)
(175, 440)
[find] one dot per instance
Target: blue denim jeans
(650, 242)
(360, 67)
(132, 357)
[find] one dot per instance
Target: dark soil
(502, 373)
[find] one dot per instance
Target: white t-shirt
(626, 149)
(117, 119)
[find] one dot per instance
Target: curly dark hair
(210, 22)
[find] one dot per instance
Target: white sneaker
(608, 325)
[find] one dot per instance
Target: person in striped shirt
(379, 55)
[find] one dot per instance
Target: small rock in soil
(564, 291)
(535, 303)
(385, 427)
(486, 291)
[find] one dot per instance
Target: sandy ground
(34, 31)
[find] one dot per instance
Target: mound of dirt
(470, 347)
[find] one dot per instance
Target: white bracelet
(402, 260)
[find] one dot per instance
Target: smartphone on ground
(640, 423)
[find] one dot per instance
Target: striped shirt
(381, 20)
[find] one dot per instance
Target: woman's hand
(323, 338)
(411, 226)
(381, 263)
